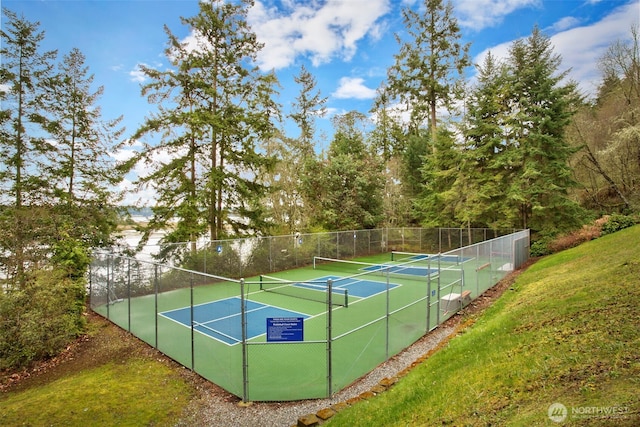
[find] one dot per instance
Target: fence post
(245, 365)
(109, 258)
(354, 243)
(428, 294)
(90, 292)
(193, 345)
(129, 294)
(477, 272)
(270, 254)
(388, 316)
(438, 293)
(329, 338)
(156, 285)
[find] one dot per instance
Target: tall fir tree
(309, 105)
(23, 148)
(537, 152)
(216, 108)
(389, 142)
(484, 174)
(298, 154)
(427, 76)
(430, 64)
(438, 173)
(345, 188)
(83, 175)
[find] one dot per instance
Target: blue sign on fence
(285, 329)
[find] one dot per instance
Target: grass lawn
(107, 379)
(567, 332)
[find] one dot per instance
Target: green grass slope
(566, 332)
(110, 380)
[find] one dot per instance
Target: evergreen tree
(389, 142)
(427, 75)
(433, 206)
(388, 137)
(537, 151)
(296, 154)
(345, 188)
(82, 172)
(423, 76)
(413, 159)
(309, 104)
(215, 108)
(484, 175)
(23, 147)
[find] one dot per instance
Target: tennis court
(220, 319)
(295, 334)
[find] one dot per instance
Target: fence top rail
(524, 233)
(300, 235)
(159, 264)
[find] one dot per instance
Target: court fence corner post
(156, 285)
(245, 366)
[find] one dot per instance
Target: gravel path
(218, 408)
(214, 406)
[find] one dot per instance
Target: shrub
(575, 238)
(617, 222)
(540, 247)
(40, 319)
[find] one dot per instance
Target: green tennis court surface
(334, 320)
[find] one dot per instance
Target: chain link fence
(206, 314)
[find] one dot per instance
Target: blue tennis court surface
(356, 287)
(221, 319)
(436, 258)
(398, 269)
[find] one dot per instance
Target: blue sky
(346, 44)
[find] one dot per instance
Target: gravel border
(213, 406)
(217, 407)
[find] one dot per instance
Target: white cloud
(332, 112)
(582, 47)
(564, 24)
(353, 87)
(322, 31)
(479, 14)
(593, 41)
(137, 75)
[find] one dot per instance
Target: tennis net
(433, 259)
(312, 291)
(357, 268)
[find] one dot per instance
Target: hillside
(567, 332)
